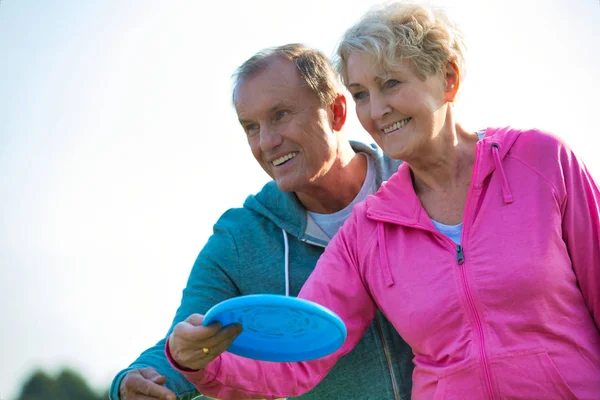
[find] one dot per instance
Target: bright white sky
(119, 147)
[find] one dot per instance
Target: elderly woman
(483, 250)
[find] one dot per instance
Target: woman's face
(402, 112)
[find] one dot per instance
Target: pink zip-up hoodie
(511, 313)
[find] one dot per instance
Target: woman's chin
(394, 150)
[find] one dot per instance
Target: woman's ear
(451, 81)
(339, 110)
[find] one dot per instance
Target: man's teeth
(397, 125)
(283, 159)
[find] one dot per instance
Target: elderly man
(291, 106)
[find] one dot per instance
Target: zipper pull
(460, 257)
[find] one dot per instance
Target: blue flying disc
(279, 328)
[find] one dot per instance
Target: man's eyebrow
(277, 106)
(272, 109)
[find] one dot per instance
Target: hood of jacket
(284, 209)
(491, 150)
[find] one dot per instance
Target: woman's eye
(390, 83)
(359, 95)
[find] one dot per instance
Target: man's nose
(269, 137)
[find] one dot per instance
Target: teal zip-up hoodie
(246, 255)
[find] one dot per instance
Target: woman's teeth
(397, 125)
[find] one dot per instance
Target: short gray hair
(420, 34)
(314, 68)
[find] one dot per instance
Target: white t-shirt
(331, 223)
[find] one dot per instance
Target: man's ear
(451, 81)
(340, 110)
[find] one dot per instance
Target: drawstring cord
(506, 193)
(387, 273)
(287, 266)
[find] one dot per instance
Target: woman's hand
(193, 346)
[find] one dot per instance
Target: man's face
(289, 131)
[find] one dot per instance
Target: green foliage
(68, 385)
(38, 386)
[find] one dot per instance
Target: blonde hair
(313, 66)
(420, 34)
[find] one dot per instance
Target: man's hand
(144, 384)
(193, 346)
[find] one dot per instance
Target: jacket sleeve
(210, 282)
(581, 228)
(336, 284)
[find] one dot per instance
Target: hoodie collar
(285, 211)
(397, 202)
(492, 150)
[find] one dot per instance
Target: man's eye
(390, 83)
(251, 128)
(280, 114)
(359, 95)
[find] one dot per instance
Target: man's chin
(286, 185)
